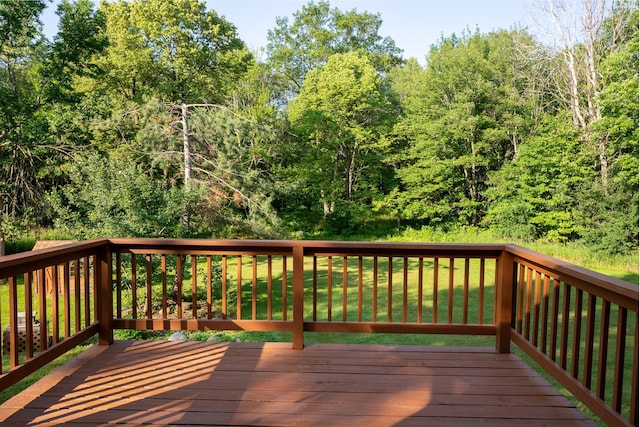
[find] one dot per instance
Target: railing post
(504, 300)
(298, 297)
(104, 294)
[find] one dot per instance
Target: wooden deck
(268, 384)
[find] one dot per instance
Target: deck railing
(579, 326)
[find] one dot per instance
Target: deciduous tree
(319, 31)
(341, 116)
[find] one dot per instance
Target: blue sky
(415, 25)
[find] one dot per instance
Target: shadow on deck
(256, 384)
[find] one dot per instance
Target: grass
(624, 267)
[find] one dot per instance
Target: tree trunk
(186, 146)
(2, 247)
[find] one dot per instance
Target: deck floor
(269, 384)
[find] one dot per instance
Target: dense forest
(151, 118)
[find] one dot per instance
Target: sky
(414, 25)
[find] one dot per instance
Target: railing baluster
(239, 287)
(481, 293)
(285, 306)
(178, 285)
(405, 289)
(554, 319)
(87, 293)
(451, 277)
(390, 290)
(436, 267)
(315, 288)
(163, 268)
(545, 312)
(529, 297)
(55, 309)
(577, 334)
(254, 288)
(536, 309)
(119, 286)
(270, 288)
(604, 349)
(520, 295)
(420, 288)
(42, 302)
(13, 322)
(344, 288)
(149, 283)
(329, 288)
(66, 297)
(496, 302)
(375, 289)
(209, 286)
(76, 295)
(589, 340)
(360, 289)
(28, 310)
(194, 287)
(618, 375)
(465, 303)
(224, 286)
(564, 338)
(134, 287)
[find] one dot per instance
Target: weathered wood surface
(207, 383)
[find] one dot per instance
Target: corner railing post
(504, 301)
(298, 297)
(104, 295)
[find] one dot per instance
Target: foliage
(463, 118)
(318, 32)
(232, 152)
(532, 197)
(21, 125)
(175, 51)
(151, 118)
(114, 197)
(341, 117)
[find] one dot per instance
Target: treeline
(151, 118)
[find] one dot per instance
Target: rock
(178, 336)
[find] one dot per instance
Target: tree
(231, 164)
(464, 118)
(168, 55)
(582, 39)
(341, 117)
(618, 104)
(610, 220)
(319, 31)
(178, 52)
(164, 60)
(534, 196)
(21, 46)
